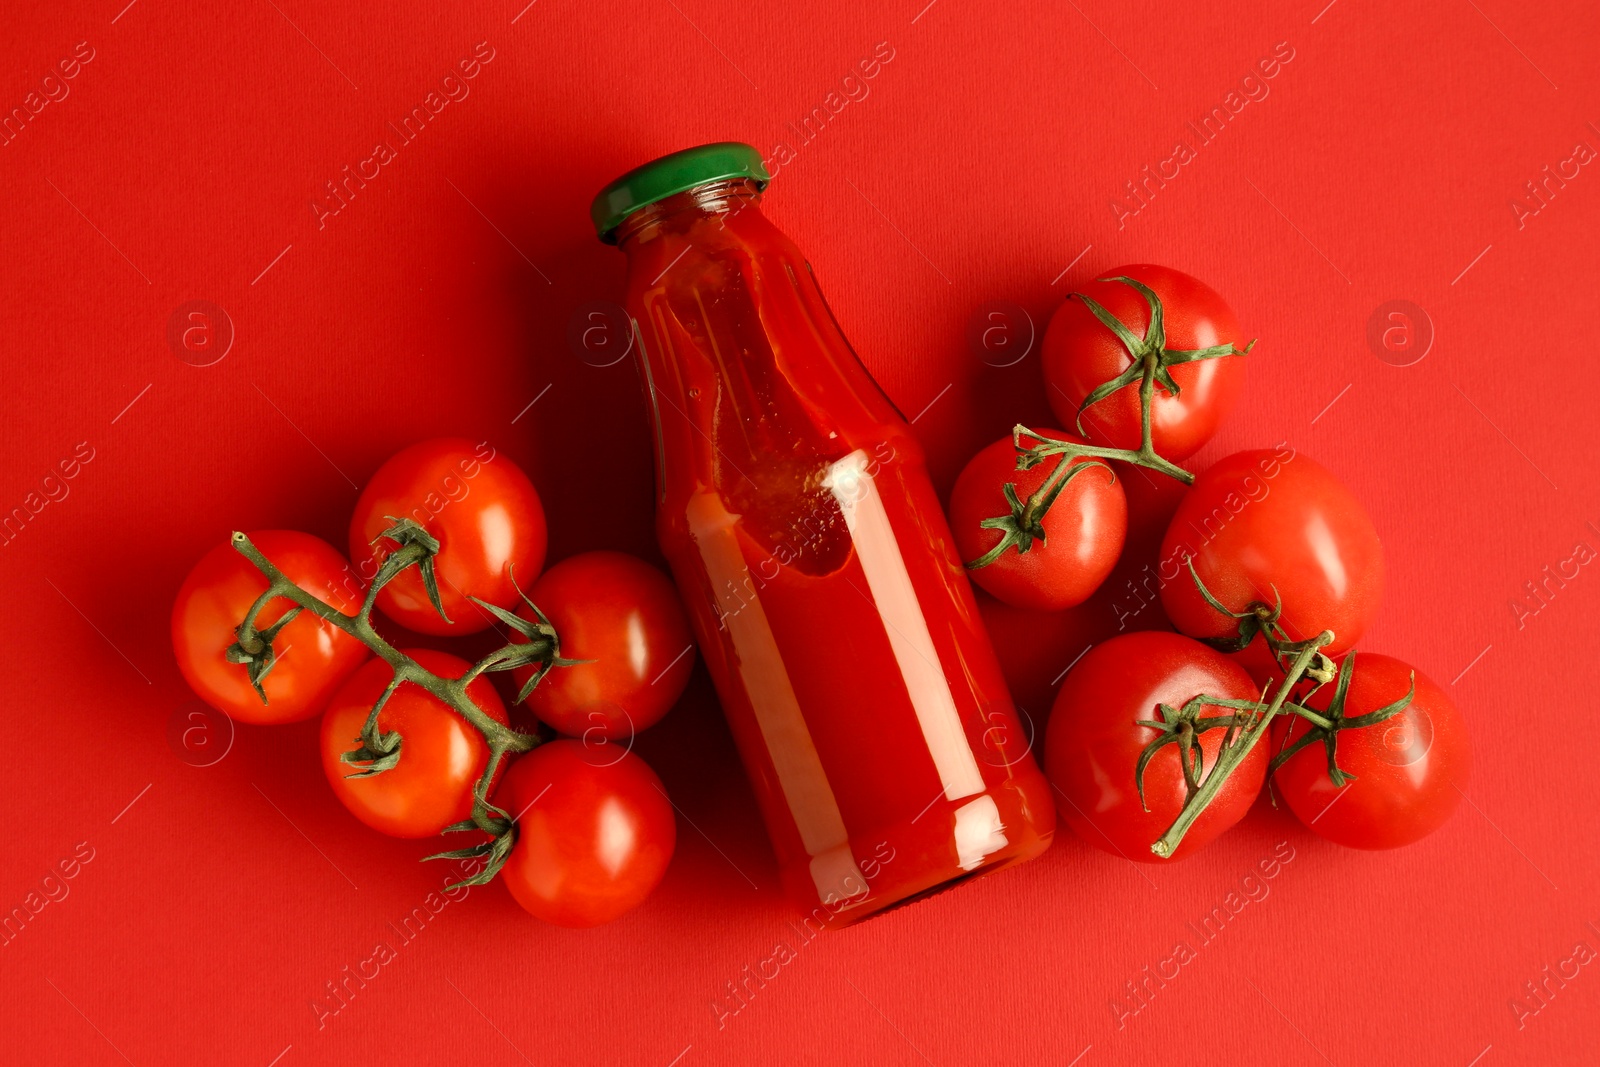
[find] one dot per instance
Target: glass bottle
(812, 553)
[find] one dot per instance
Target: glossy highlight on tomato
(595, 832)
(486, 515)
(1080, 353)
(441, 754)
(1084, 528)
(1408, 771)
(1094, 740)
(313, 656)
(1272, 524)
(622, 618)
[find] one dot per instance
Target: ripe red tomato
(1081, 353)
(595, 832)
(1258, 662)
(313, 656)
(1264, 521)
(1407, 771)
(1084, 529)
(623, 617)
(1093, 743)
(441, 754)
(485, 514)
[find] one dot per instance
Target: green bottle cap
(670, 175)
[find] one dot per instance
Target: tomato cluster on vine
(449, 539)
(1271, 571)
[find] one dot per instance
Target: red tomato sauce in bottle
(814, 558)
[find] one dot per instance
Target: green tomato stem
(452, 691)
(1150, 360)
(383, 750)
(1231, 755)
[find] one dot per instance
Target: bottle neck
(681, 210)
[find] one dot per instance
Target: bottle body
(813, 555)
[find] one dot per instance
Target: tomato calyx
(1262, 620)
(1183, 727)
(1151, 360)
(542, 650)
(1257, 618)
(253, 648)
(379, 750)
(487, 817)
(416, 546)
(1025, 523)
(1231, 755)
(492, 852)
(1326, 726)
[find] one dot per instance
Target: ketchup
(795, 509)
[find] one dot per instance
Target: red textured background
(1380, 166)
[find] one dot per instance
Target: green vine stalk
(378, 749)
(1249, 720)
(1150, 363)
